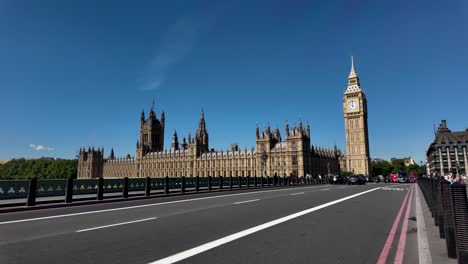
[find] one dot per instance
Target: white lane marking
(124, 223)
(325, 189)
(248, 201)
(343, 187)
(297, 193)
(423, 242)
(148, 205)
(216, 243)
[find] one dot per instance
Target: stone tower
(90, 163)
(298, 140)
(151, 133)
(201, 136)
(355, 116)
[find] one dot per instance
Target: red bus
(412, 176)
(393, 177)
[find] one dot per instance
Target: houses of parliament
(273, 154)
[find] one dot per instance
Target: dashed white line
(325, 189)
(248, 201)
(124, 223)
(221, 241)
(297, 193)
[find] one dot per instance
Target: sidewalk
(437, 246)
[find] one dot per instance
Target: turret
(175, 141)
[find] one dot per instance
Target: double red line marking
(401, 244)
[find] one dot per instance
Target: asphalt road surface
(306, 224)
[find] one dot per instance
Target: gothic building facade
(272, 155)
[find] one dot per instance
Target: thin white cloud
(40, 147)
(178, 41)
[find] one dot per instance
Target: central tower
(355, 116)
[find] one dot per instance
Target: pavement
(303, 224)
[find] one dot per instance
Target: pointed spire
(352, 73)
(257, 132)
(286, 128)
(201, 124)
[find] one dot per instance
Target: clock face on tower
(353, 105)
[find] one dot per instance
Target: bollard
(69, 191)
(440, 212)
(32, 192)
(148, 186)
(449, 224)
(100, 190)
(460, 212)
(230, 182)
(125, 188)
(166, 185)
(182, 185)
(197, 184)
(209, 183)
(220, 183)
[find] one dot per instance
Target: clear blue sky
(78, 73)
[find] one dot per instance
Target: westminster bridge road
(305, 224)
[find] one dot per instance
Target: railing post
(166, 185)
(460, 212)
(268, 181)
(32, 192)
(220, 183)
(434, 202)
(69, 191)
(197, 183)
(148, 186)
(255, 181)
(209, 183)
(449, 224)
(261, 181)
(440, 210)
(182, 186)
(248, 181)
(100, 189)
(125, 188)
(230, 182)
(240, 182)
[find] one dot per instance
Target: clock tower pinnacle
(355, 116)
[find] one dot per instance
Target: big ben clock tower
(355, 116)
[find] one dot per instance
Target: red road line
(388, 244)
(401, 244)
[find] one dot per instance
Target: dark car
(356, 179)
(336, 179)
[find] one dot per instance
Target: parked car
(337, 179)
(356, 179)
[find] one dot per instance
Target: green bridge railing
(79, 189)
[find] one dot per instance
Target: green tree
(39, 168)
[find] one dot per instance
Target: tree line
(383, 167)
(38, 168)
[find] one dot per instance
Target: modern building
(193, 157)
(355, 117)
(448, 152)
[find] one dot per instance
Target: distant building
(192, 157)
(4, 161)
(407, 160)
(447, 152)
